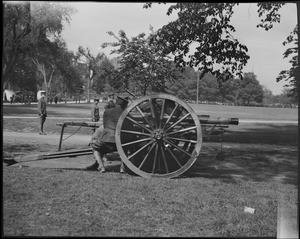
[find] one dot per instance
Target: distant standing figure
(110, 103)
(95, 111)
(42, 112)
(55, 99)
(51, 100)
(12, 99)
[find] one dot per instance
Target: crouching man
(106, 142)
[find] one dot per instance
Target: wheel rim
(159, 136)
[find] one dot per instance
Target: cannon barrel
(205, 119)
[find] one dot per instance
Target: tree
(24, 25)
(270, 15)
(284, 98)
(142, 63)
(291, 75)
(24, 77)
(209, 88)
(105, 73)
(91, 67)
(252, 91)
(230, 91)
(207, 27)
(44, 59)
(184, 87)
(268, 97)
(245, 92)
(55, 62)
(16, 29)
(207, 24)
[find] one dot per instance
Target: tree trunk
(42, 69)
(7, 67)
(5, 82)
(46, 86)
(88, 90)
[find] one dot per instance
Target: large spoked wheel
(158, 136)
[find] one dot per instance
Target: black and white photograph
(150, 119)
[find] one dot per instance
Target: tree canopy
(201, 37)
(291, 75)
(25, 24)
(142, 63)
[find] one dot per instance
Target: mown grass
(51, 202)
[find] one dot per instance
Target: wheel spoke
(176, 123)
(143, 115)
(174, 156)
(155, 158)
(162, 113)
(134, 121)
(170, 116)
(135, 153)
(137, 141)
(180, 149)
(135, 132)
(182, 130)
(146, 156)
(153, 113)
(164, 158)
(184, 140)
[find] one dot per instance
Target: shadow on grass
(254, 152)
(257, 133)
(247, 162)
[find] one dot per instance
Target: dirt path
(32, 144)
(53, 139)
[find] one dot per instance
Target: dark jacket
(110, 121)
(42, 111)
(95, 112)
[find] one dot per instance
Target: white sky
(89, 27)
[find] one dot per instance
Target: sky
(90, 24)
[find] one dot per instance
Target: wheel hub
(158, 134)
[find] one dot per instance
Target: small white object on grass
(249, 210)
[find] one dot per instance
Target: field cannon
(156, 136)
(161, 136)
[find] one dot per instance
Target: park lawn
(57, 202)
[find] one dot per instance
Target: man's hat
(43, 93)
(122, 100)
(96, 100)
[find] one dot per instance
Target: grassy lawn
(258, 168)
(48, 202)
